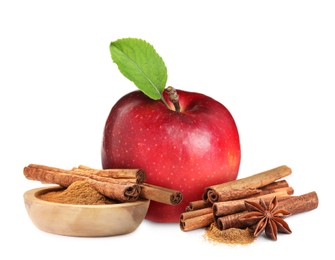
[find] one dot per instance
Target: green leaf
(138, 61)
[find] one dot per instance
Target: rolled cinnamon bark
(160, 194)
(195, 213)
(302, 203)
(231, 221)
(293, 204)
(197, 204)
(275, 185)
(93, 175)
(196, 222)
(286, 190)
(224, 191)
(121, 192)
(234, 206)
(136, 175)
(117, 176)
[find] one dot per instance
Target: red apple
(186, 151)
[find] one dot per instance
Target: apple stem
(174, 98)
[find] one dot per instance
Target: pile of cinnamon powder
(79, 192)
(233, 236)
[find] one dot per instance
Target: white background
(271, 63)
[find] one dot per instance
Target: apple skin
(185, 151)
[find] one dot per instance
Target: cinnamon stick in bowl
(124, 185)
(132, 175)
(122, 192)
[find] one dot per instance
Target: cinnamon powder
(233, 236)
(79, 192)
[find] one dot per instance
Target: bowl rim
(32, 195)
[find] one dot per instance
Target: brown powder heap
(234, 236)
(79, 192)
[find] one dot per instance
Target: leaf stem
(164, 101)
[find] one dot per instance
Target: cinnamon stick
(286, 190)
(299, 204)
(294, 205)
(122, 176)
(231, 221)
(137, 175)
(195, 213)
(233, 206)
(120, 192)
(270, 188)
(275, 185)
(160, 194)
(93, 175)
(197, 204)
(197, 217)
(223, 192)
(196, 222)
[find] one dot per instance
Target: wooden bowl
(83, 220)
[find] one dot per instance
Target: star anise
(267, 217)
